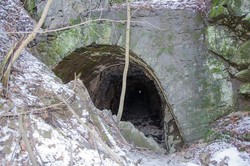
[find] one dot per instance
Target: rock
(222, 41)
(236, 7)
(188, 155)
(243, 75)
(136, 137)
(239, 7)
(242, 56)
(65, 12)
(218, 11)
(245, 89)
(204, 158)
(246, 19)
(232, 70)
(246, 136)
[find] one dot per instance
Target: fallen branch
(4, 70)
(84, 24)
(33, 111)
(18, 50)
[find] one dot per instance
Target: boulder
(233, 7)
(222, 41)
(243, 75)
(242, 56)
(245, 89)
(133, 135)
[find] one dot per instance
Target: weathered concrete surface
(170, 42)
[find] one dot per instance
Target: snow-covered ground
(60, 139)
(196, 5)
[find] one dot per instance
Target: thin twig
(75, 82)
(33, 111)
(86, 23)
(14, 151)
(125, 72)
(71, 154)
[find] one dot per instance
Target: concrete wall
(171, 42)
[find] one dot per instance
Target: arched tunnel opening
(142, 106)
(100, 67)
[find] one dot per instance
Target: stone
(188, 155)
(133, 135)
(239, 7)
(246, 19)
(218, 11)
(245, 89)
(64, 12)
(242, 56)
(243, 75)
(30, 6)
(220, 41)
(236, 7)
(246, 136)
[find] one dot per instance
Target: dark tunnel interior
(142, 106)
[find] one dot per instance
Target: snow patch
(194, 5)
(231, 156)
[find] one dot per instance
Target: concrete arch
(100, 67)
(195, 83)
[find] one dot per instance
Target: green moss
(170, 37)
(220, 41)
(74, 21)
(116, 1)
(243, 53)
(30, 6)
(247, 108)
(170, 49)
(218, 12)
(215, 135)
(245, 89)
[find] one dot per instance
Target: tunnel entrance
(100, 67)
(142, 106)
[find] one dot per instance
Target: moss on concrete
(66, 41)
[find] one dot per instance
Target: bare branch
(84, 24)
(125, 72)
(11, 60)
